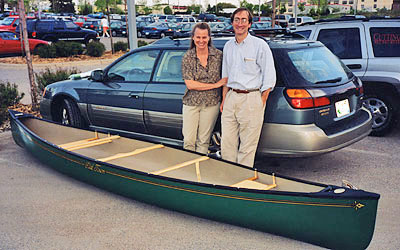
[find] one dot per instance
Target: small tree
(85, 9)
(167, 10)
(302, 6)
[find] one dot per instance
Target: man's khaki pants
(198, 124)
(242, 119)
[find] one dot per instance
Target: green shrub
(142, 43)
(120, 46)
(48, 76)
(9, 96)
(47, 51)
(95, 49)
(67, 49)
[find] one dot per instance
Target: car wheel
(382, 110)
(70, 114)
(162, 35)
(36, 49)
(114, 33)
(89, 40)
(139, 34)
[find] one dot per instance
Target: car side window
(344, 43)
(58, 25)
(136, 67)
(8, 36)
(305, 33)
(170, 67)
(43, 26)
(385, 41)
(70, 25)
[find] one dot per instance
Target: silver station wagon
(315, 108)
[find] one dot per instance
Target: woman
(104, 24)
(201, 70)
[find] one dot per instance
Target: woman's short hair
(242, 9)
(202, 26)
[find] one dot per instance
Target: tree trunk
(109, 27)
(22, 18)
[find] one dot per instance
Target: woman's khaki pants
(198, 124)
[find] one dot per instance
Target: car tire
(70, 115)
(383, 112)
(36, 49)
(139, 34)
(162, 35)
(114, 33)
(89, 40)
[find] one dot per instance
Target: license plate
(342, 108)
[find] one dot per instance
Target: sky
(202, 2)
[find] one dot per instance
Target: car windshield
(7, 21)
(314, 66)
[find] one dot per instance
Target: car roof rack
(350, 19)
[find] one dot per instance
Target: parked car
(314, 108)
(371, 49)
(158, 30)
(10, 44)
(166, 18)
(182, 30)
(217, 26)
(10, 23)
(261, 19)
(118, 28)
(80, 21)
(148, 19)
(185, 20)
(300, 21)
(55, 30)
(140, 26)
(94, 24)
(207, 17)
(282, 20)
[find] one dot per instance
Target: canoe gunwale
(324, 193)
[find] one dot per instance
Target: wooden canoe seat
(71, 146)
(134, 152)
(184, 164)
(251, 183)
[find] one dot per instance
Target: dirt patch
(37, 60)
(21, 108)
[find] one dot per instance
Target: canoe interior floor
(159, 159)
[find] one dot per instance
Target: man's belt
(244, 91)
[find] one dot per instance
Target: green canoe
(324, 215)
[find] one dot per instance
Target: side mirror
(97, 75)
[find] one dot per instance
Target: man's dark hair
(242, 9)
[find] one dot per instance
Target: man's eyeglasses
(242, 21)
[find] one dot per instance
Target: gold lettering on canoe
(94, 167)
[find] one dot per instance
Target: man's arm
(224, 92)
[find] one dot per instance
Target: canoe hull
(346, 223)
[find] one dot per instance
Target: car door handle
(133, 96)
(354, 66)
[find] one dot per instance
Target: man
(249, 66)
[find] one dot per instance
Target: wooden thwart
(134, 152)
(253, 184)
(184, 164)
(88, 143)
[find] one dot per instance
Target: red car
(10, 23)
(10, 44)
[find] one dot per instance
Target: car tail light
(154, 28)
(34, 34)
(91, 26)
(301, 99)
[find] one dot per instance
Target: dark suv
(56, 30)
(315, 107)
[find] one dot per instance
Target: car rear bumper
(308, 140)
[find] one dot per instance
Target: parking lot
(43, 209)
